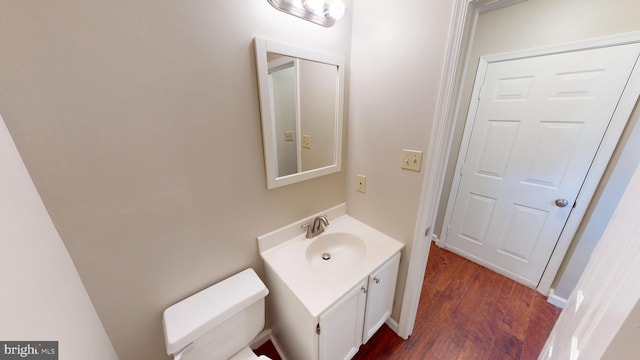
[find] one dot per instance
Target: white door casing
(530, 139)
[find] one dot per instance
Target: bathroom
(139, 124)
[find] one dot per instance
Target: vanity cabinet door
(341, 326)
(381, 291)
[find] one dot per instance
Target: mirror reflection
(303, 93)
(301, 108)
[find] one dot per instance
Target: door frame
(600, 161)
(463, 23)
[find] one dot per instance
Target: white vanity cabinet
(328, 295)
(380, 294)
(359, 314)
(340, 327)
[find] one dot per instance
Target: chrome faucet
(316, 227)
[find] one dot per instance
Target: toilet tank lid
(190, 318)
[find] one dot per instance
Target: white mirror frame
(262, 46)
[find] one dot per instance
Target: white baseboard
(556, 300)
(278, 349)
(261, 339)
(392, 324)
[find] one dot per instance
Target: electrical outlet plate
(361, 183)
(411, 160)
(288, 136)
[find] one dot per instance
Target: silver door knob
(562, 202)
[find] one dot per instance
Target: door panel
(524, 225)
(475, 223)
(552, 153)
(497, 147)
(537, 127)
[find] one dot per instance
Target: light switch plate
(306, 141)
(411, 159)
(361, 183)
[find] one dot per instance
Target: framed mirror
(301, 106)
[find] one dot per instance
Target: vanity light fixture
(321, 12)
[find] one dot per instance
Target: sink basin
(336, 251)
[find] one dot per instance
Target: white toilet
(219, 322)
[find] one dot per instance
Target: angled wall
(43, 298)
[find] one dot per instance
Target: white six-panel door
(537, 127)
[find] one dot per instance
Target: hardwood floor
(465, 312)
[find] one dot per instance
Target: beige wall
(139, 124)
(534, 24)
(396, 63)
(42, 295)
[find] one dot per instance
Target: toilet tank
(218, 321)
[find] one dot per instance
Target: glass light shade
(316, 6)
(336, 9)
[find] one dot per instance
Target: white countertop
(318, 289)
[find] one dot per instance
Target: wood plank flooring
(465, 312)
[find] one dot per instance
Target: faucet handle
(309, 228)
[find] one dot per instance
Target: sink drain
(326, 256)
